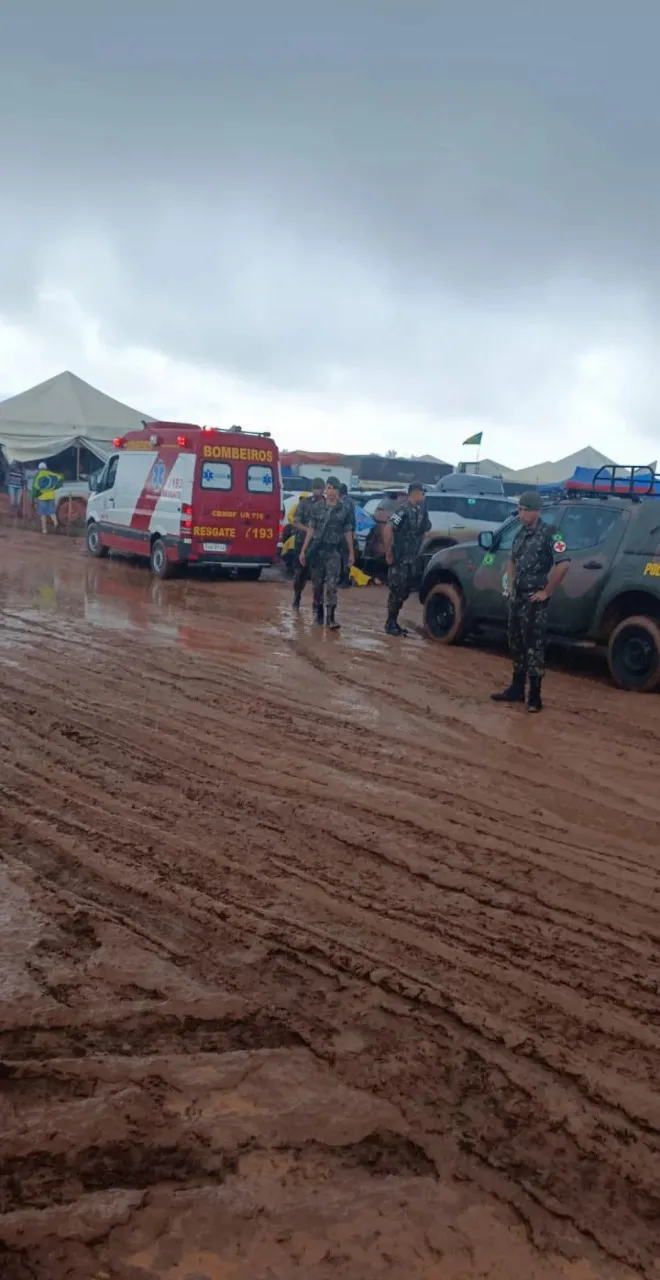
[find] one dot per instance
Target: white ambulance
(183, 495)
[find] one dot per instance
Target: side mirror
(93, 482)
(486, 540)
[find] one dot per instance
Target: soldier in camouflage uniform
(403, 541)
(303, 519)
(537, 566)
(329, 531)
(345, 497)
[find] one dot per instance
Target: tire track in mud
(280, 927)
(497, 944)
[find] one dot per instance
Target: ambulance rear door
(236, 503)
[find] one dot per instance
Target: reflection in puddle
(370, 644)
(355, 707)
(221, 619)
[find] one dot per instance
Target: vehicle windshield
(507, 532)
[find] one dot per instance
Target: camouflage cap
(318, 483)
(530, 500)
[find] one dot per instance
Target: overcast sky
(364, 224)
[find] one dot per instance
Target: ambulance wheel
(94, 544)
(633, 655)
(161, 567)
(251, 574)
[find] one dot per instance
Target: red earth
(316, 965)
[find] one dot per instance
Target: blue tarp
(363, 521)
(586, 476)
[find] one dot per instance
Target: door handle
(111, 502)
(592, 564)
(458, 526)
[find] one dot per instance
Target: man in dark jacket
(403, 537)
(537, 566)
(345, 579)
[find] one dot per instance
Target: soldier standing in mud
(328, 532)
(536, 568)
(302, 522)
(403, 537)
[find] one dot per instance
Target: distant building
(376, 472)
(371, 470)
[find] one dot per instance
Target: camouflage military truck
(610, 596)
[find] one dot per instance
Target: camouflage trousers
(528, 625)
(301, 575)
(400, 580)
(325, 574)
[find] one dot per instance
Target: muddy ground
(315, 964)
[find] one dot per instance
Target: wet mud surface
(315, 964)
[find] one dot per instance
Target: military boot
(515, 691)
(318, 612)
(331, 621)
(392, 627)
(297, 597)
(534, 702)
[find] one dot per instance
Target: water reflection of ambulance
(182, 495)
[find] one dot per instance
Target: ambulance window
(111, 473)
(216, 475)
(260, 479)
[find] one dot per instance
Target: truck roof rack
(618, 481)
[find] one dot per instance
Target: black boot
(318, 613)
(515, 691)
(297, 597)
(331, 621)
(534, 699)
(392, 628)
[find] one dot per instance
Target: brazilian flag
(474, 439)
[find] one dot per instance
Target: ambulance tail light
(186, 518)
(182, 442)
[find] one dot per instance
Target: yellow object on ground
(359, 578)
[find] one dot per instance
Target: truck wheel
(444, 614)
(633, 655)
(93, 539)
(161, 567)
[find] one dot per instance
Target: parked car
(609, 598)
(471, 482)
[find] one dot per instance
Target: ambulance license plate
(215, 546)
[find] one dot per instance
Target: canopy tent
(64, 411)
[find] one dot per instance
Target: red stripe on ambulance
(152, 489)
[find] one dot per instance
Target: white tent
(61, 412)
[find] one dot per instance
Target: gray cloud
(445, 205)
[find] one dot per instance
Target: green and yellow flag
(474, 439)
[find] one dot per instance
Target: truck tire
(161, 567)
(633, 655)
(93, 540)
(444, 614)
